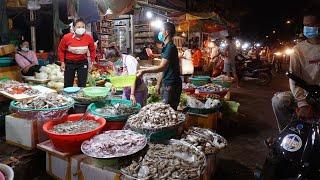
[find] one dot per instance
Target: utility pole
(33, 30)
(56, 35)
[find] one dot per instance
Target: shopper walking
(229, 60)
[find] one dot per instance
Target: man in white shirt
(305, 63)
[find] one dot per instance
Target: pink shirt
(23, 62)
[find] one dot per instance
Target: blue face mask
(310, 32)
(161, 37)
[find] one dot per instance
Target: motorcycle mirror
(298, 81)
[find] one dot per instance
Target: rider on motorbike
(305, 63)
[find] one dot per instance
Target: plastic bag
(194, 103)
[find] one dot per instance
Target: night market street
(251, 127)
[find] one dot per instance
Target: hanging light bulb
(183, 34)
(109, 11)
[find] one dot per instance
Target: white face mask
(25, 49)
(80, 31)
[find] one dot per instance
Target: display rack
(105, 31)
(143, 35)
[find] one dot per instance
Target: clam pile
(75, 127)
(154, 116)
(204, 139)
(174, 161)
(45, 101)
(116, 109)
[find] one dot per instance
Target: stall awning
(118, 8)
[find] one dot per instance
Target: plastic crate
(6, 61)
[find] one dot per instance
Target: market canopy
(205, 22)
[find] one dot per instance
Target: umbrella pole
(188, 32)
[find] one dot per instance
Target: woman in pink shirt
(27, 60)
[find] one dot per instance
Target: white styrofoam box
(75, 166)
(66, 168)
(58, 167)
(89, 172)
(21, 132)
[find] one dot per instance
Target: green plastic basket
(200, 80)
(122, 81)
(225, 84)
(96, 91)
(6, 61)
(162, 134)
(92, 108)
(202, 111)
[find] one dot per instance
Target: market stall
(92, 133)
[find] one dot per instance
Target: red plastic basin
(71, 143)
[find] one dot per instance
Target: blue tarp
(88, 11)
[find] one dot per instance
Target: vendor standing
(27, 60)
(72, 52)
(128, 65)
(170, 79)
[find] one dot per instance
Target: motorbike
(295, 154)
(253, 70)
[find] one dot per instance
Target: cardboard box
(7, 49)
(209, 121)
(21, 132)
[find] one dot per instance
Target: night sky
(261, 17)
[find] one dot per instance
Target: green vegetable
(153, 96)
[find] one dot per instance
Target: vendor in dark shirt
(170, 80)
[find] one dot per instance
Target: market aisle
(246, 134)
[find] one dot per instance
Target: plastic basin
(122, 81)
(6, 171)
(6, 61)
(72, 143)
(219, 93)
(225, 84)
(96, 91)
(200, 80)
(111, 118)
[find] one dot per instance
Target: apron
(120, 68)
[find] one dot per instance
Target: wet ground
(247, 131)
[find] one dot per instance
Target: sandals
(269, 142)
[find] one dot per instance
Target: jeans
(32, 70)
(171, 94)
(283, 105)
(81, 67)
